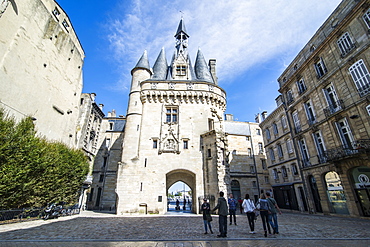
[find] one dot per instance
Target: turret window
(181, 70)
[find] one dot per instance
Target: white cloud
(239, 34)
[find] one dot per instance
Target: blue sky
(252, 41)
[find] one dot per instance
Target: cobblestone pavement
(98, 229)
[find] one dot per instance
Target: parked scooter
(51, 212)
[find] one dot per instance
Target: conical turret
(160, 66)
(201, 69)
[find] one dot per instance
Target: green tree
(34, 171)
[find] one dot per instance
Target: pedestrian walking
(207, 218)
(248, 206)
(273, 215)
(263, 207)
(222, 215)
(232, 208)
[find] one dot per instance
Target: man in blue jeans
(273, 217)
(222, 215)
(232, 208)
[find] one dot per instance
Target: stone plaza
(181, 229)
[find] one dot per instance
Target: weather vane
(182, 14)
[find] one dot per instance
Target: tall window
(345, 133)
(275, 128)
(294, 169)
(301, 86)
(368, 109)
(272, 155)
(320, 68)
(366, 18)
(280, 151)
(289, 146)
(284, 122)
(267, 132)
(211, 124)
(320, 146)
(310, 112)
(284, 172)
(332, 98)
(297, 123)
(304, 152)
(252, 169)
(171, 114)
(289, 97)
(275, 174)
(264, 165)
(361, 77)
(260, 147)
(345, 44)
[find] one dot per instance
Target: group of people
(266, 206)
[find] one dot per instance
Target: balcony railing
(333, 108)
(342, 152)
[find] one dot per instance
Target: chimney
(264, 115)
(257, 118)
(229, 117)
(101, 106)
(113, 113)
(212, 69)
(93, 96)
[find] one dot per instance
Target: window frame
(345, 44)
(301, 86)
(320, 68)
(366, 18)
(361, 77)
(172, 114)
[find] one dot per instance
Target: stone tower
(171, 107)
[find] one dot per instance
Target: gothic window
(345, 44)
(361, 77)
(181, 70)
(366, 18)
(171, 115)
(320, 68)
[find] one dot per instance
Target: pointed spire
(160, 66)
(143, 62)
(201, 68)
(181, 29)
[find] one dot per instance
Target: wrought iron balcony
(333, 108)
(342, 152)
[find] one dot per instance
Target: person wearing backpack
(264, 208)
(273, 216)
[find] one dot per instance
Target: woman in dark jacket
(206, 209)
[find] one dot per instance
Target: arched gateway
(174, 131)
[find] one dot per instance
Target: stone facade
(41, 67)
(325, 91)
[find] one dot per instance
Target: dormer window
(181, 70)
